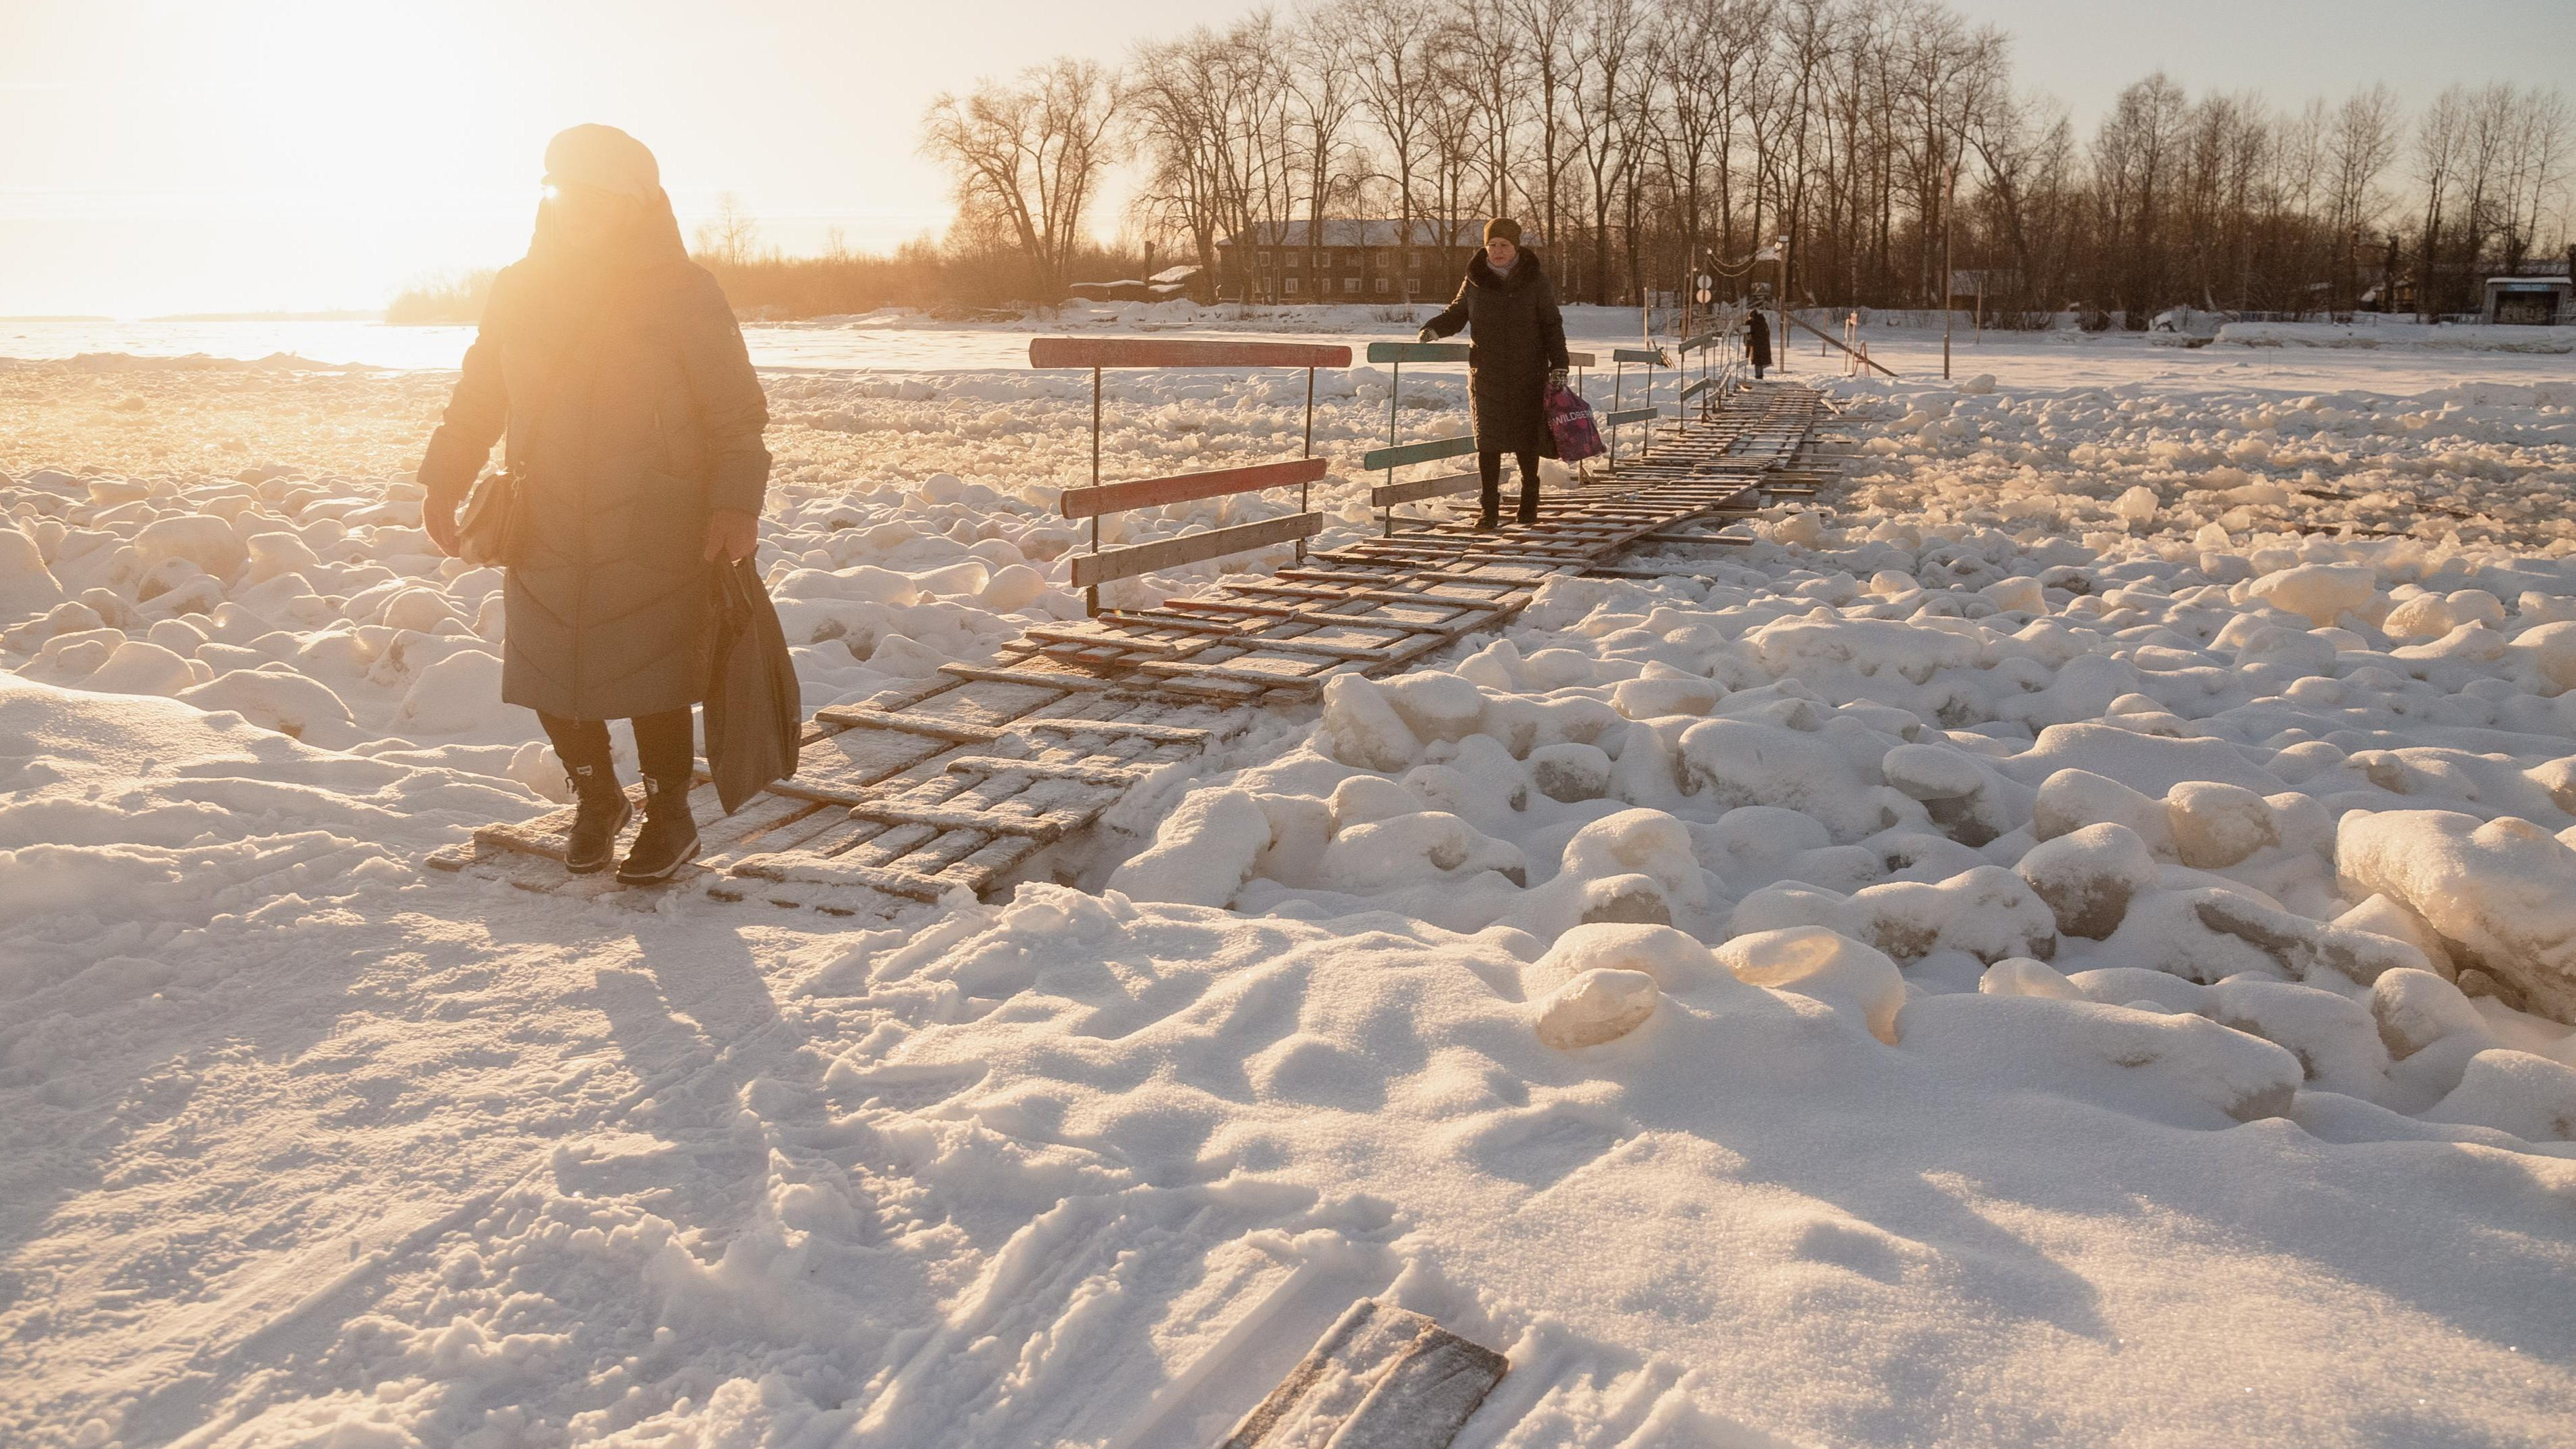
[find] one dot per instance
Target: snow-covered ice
(2067, 942)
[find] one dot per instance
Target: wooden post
(1091, 595)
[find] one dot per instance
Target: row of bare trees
(1647, 140)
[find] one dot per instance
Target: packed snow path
(959, 782)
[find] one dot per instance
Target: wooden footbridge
(974, 778)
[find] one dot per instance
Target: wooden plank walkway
(962, 782)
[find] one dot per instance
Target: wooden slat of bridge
(963, 780)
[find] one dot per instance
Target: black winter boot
(669, 838)
(601, 811)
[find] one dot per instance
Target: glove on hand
(1556, 377)
(1426, 335)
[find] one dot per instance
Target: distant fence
(1099, 566)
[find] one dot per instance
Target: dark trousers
(666, 743)
(1757, 370)
(1489, 472)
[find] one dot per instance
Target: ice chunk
(2217, 825)
(2022, 976)
(1675, 960)
(1570, 773)
(2333, 1036)
(2529, 1096)
(1436, 706)
(2072, 799)
(1409, 849)
(1597, 1006)
(1363, 798)
(274, 698)
(1014, 587)
(139, 667)
(2552, 649)
(2137, 505)
(421, 610)
(200, 538)
(27, 587)
(2502, 894)
(455, 694)
(2087, 876)
(1361, 728)
(2415, 1009)
(1661, 698)
(1202, 852)
(1738, 762)
(1860, 983)
(2319, 592)
(1988, 912)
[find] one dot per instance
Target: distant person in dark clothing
(612, 369)
(1757, 342)
(1516, 349)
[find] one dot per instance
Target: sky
(223, 155)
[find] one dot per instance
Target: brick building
(1350, 261)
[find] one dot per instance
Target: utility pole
(1780, 334)
(1949, 193)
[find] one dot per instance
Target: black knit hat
(1503, 228)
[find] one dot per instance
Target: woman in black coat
(1757, 342)
(1517, 349)
(613, 370)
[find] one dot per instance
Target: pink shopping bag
(1569, 418)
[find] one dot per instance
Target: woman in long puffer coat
(617, 374)
(1757, 342)
(1516, 349)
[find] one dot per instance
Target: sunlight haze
(222, 157)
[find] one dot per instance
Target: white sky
(158, 156)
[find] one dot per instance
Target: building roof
(1378, 232)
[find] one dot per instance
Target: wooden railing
(1099, 566)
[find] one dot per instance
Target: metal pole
(1949, 194)
(1394, 388)
(1780, 251)
(1091, 595)
(1618, 389)
(1305, 491)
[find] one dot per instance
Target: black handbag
(487, 530)
(755, 711)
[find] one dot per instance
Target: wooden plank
(1041, 825)
(1182, 487)
(1387, 495)
(1405, 453)
(1580, 359)
(1696, 388)
(1650, 355)
(1120, 775)
(1161, 734)
(1180, 352)
(1417, 352)
(1632, 415)
(1068, 683)
(1090, 569)
(856, 716)
(799, 867)
(1381, 1377)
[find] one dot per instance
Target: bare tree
(2360, 142)
(1029, 155)
(1394, 65)
(732, 235)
